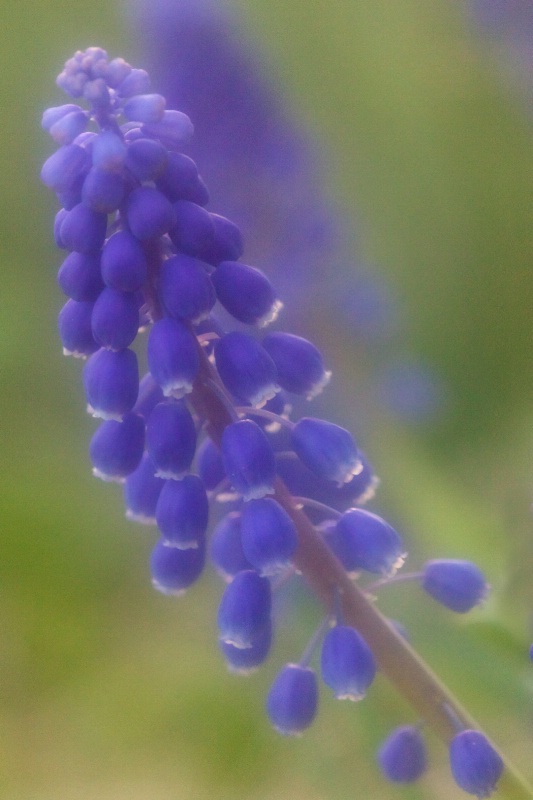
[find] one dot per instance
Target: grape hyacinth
(144, 255)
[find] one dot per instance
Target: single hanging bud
(245, 609)
(246, 369)
(115, 319)
(298, 362)
(268, 535)
(171, 439)
(458, 585)
(116, 448)
(326, 449)
(182, 513)
(476, 766)
(347, 663)
(293, 700)
(173, 357)
(80, 278)
(246, 293)
(402, 756)
(75, 330)
(111, 382)
(362, 540)
(141, 492)
(124, 265)
(248, 459)
(185, 288)
(173, 570)
(245, 660)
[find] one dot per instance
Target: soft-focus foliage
(111, 690)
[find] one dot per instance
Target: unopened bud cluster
(144, 253)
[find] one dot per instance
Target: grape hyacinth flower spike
(145, 252)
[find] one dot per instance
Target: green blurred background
(109, 690)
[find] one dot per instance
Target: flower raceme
(210, 420)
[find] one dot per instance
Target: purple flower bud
(137, 81)
(66, 168)
(182, 512)
(116, 448)
(114, 72)
(193, 232)
(327, 449)
(292, 701)
(68, 127)
(55, 113)
(145, 108)
(173, 130)
(226, 547)
(402, 756)
(173, 357)
(124, 264)
(458, 585)
(209, 464)
(362, 540)
(246, 369)
(111, 382)
(171, 439)
(244, 661)
(246, 293)
(185, 288)
(103, 190)
(146, 159)
(180, 180)
(79, 276)
(74, 324)
(476, 765)
(347, 663)
(302, 482)
(245, 609)
(108, 151)
(141, 492)
(97, 94)
(298, 362)
(248, 459)
(149, 213)
(268, 535)
(83, 229)
(115, 319)
(227, 242)
(173, 570)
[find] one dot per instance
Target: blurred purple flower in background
(509, 26)
(266, 173)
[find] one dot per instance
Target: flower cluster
(210, 420)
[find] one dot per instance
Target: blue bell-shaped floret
(248, 459)
(363, 540)
(292, 701)
(182, 512)
(268, 535)
(458, 585)
(173, 357)
(245, 609)
(347, 663)
(402, 756)
(326, 449)
(171, 439)
(173, 570)
(246, 369)
(476, 765)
